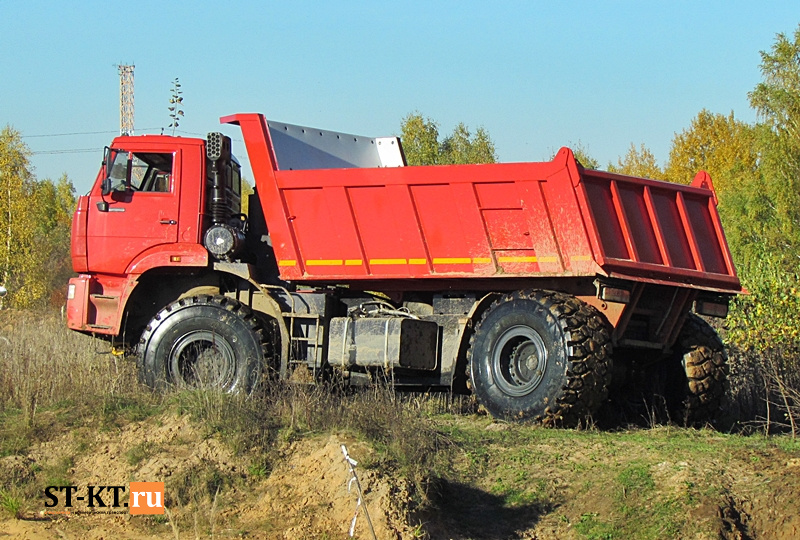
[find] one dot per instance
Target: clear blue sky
(537, 75)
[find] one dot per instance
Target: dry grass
(279, 414)
(42, 363)
(53, 379)
(783, 396)
(764, 391)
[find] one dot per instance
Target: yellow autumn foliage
(35, 218)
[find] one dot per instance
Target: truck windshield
(150, 171)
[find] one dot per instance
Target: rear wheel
(696, 384)
(540, 355)
(203, 341)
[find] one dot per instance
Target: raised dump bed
(348, 223)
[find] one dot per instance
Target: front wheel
(203, 342)
(540, 355)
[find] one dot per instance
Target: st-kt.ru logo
(138, 497)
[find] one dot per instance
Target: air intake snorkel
(218, 152)
(221, 239)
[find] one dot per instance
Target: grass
(10, 503)
(637, 483)
(140, 452)
(592, 528)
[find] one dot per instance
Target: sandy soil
(306, 494)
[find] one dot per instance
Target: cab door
(136, 209)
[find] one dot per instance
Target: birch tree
(35, 220)
(421, 144)
(15, 180)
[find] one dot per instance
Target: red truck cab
(146, 210)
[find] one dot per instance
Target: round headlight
(223, 241)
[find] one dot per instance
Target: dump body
(498, 221)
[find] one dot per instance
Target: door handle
(168, 222)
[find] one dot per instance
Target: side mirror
(129, 172)
(106, 185)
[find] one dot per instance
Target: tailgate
(649, 229)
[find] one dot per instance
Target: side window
(149, 171)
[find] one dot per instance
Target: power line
(68, 151)
(241, 158)
(79, 133)
(92, 150)
(106, 133)
(68, 134)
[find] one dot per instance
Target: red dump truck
(536, 286)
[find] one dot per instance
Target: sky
(537, 75)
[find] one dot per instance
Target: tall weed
(43, 364)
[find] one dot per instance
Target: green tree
(54, 205)
(421, 145)
(718, 144)
(777, 97)
(760, 206)
(420, 137)
(15, 222)
(777, 102)
(35, 220)
(581, 153)
(638, 162)
(462, 147)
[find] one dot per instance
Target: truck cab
(154, 199)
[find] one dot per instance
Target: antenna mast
(125, 99)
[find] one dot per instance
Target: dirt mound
(603, 486)
(756, 512)
(311, 495)
(305, 496)
(151, 451)
(523, 485)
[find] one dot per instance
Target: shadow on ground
(462, 511)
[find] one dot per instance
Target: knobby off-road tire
(699, 376)
(203, 341)
(541, 356)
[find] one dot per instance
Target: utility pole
(126, 99)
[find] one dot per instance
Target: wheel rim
(203, 359)
(519, 360)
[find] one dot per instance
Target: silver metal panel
(390, 152)
(304, 148)
(383, 342)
